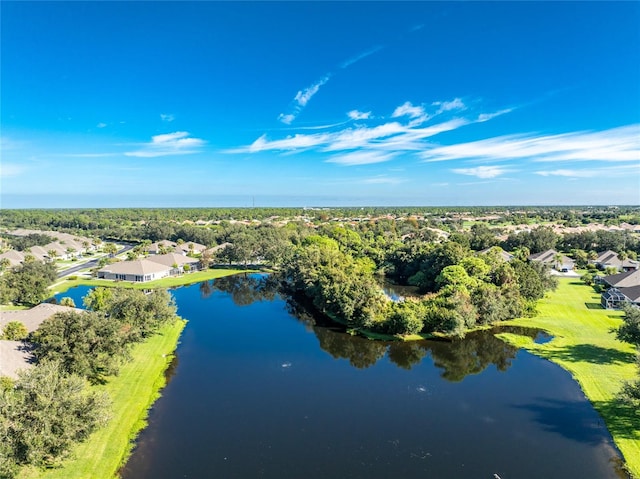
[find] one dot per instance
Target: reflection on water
(259, 392)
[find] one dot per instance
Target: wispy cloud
(360, 56)
(383, 180)
(483, 172)
(616, 171)
(101, 125)
(359, 115)
(167, 117)
(177, 143)
(417, 113)
(304, 96)
(361, 158)
(301, 99)
(444, 106)
(616, 144)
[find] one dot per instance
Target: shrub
(15, 331)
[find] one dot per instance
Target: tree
(138, 315)
(27, 284)
(14, 331)
(88, 344)
(67, 301)
(110, 248)
(629, 332)
(43, 415)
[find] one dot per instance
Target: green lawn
(132, 392)
(190, 278)
(584, 345)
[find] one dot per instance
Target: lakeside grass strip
(169, 282)
(584, 345)
(132, 392)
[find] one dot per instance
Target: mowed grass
(584, 345)
(133, 392)
(169, 282)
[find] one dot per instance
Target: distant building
(610, 259)
(550, 258)
(149, 269)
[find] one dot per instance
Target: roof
(623, 280)
(138, 267)
(14, 257)
(196, 246)
(611, 258)
(33, 318)
(14, 356)
(549, 257)
(170, 259)
(506, 256)
(632, 293)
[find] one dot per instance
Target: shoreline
(584, 346)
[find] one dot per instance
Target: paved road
(90, 264)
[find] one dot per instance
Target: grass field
(132, 392)
(64, 285)
(584, 345)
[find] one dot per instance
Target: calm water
(259, 390)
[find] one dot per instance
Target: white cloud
(361, 158)
(301, 99)
(177, 143)
(359, 115)
(391, 136)
(455, 104)
(416, 113)
(482, 171)
(303, 96)
(10, 169)
(101, 125)
(286, 119)
(482, 117)
(616, 144)
(167, 117)
(568, 173)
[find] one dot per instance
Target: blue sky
(319, 103)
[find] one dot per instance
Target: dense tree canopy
(43, 415)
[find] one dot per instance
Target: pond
(259, 388)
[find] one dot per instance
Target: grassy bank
(132, 392)
(584, 345)
(169, 282)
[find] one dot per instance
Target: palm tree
(557, 258)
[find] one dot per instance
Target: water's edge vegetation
(584, 345)
(133, 391)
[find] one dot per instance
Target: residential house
(627, 279)
(14, 257)
(623, 288)
(140, 270)
(551, 259)
(190, 247)
(33, 318)
(162, 247)
(506, 256)
(610, 259)
(615, 298)
(176, 261)
(149, 269)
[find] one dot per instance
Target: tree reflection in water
(457, 358)
(244, 289)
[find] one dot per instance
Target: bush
(72, 278)
(15, 331)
